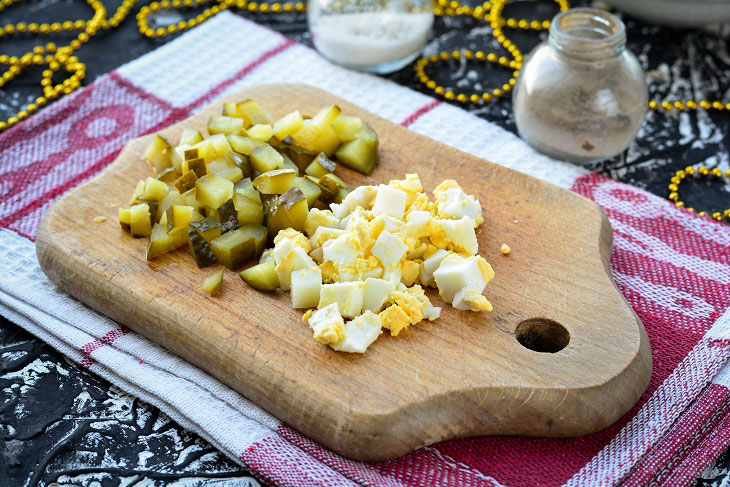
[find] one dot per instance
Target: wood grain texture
(464, 374)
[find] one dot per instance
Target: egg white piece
(460, 233)
(431, 264)
(391, 201)
(360, 333)
(348, 296)
(455, 204)
(305, 287)
(389, 249)
(456, 273)
(295, 260)
(342, 250)
(375, 293)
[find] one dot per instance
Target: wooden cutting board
(464, 374)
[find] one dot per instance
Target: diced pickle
(332, 183)
(311, 190)
(346, 127)
(140, 222)
(261, 131)
(244, 145)
(265, 158)
(161, 241)
(137, 193)
(360, 154)
(178, 217)
(287, 210)
(190, 154)
(212, 284)
(186, 182)
(248, 211)
(207, 228)
(213, 190)
(288, 163)
(228, 216)
(125, 218)
(246, 188)
(261, 276)
(196, 165)
(241, 161)
(320, 166)
(190, 136)
(287, 125)
(200, 248)
(316, 138)
(326, 116)
(158, 153)
(167, 176)
(154, 189)
(341, 194)
(253, 112)
(226, 168)
(189, 199)
(326, 195)
(277, 181)
(235, 248)
(172, 197)
(300, 156)
(221, 124)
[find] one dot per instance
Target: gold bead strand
(682, 174)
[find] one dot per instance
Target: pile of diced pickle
(227, 194)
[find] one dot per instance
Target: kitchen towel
(672, 266)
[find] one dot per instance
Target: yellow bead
(717, 216)
(653, 105)
(703, 170)
(690, 209)
(56, 27)
(83, 37)
(439, 90)
(702, 213)
(717, 105)
(679, 204)
(692, 104)
(33, 28)
(680, 174)
(666, 105)
(689, 170)
(449, 95)
(491, 57)
(523, 24)
(31, 108)
(3, 126)
(545, 24)
(474, 99)
(727, 173)
(12, 121)
(726, 213)
(75, 44)
(22, 115)
(497, 92)
(40, 101)
(44, 29)
(679, 105)
(673, 187)
(705, 104)
(481, 56)
(674, 196)
(717, 172)
(9, 29)
(431, 84)
(461, 97)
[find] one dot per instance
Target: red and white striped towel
(672, 266)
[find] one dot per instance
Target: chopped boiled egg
(327, 325)
(305, 287)
(359, 333)
(348, 297)
(390, 201)
(364, 263)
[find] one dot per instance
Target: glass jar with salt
(581, 96)
(380, 36)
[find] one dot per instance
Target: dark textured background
(61, 424)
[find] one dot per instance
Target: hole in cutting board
(542, 335)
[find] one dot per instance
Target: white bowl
(677, 13)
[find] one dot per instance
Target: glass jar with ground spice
(581, 96)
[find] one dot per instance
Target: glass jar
(380, 36)
(581, 96)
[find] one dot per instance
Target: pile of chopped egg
(369, 258)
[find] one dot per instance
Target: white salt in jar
(380, 36)
(581, 96)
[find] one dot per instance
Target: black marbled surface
(61, 424)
